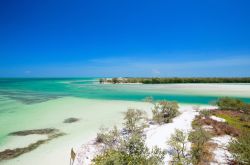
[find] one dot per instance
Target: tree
(135, 120)
(133, 151)
(110, 138)
(128, 148)
(198, 137)
(240, 149)
(178, 143)
(115, 80)
(101, 80)
(165, 111)
(228, 103)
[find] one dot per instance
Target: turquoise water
(30, 91)
(45, 103)
(22, 99)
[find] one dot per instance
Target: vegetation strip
(175, 80)
(236, 114)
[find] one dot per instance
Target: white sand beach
(221, 153)
(156, 135)
(201, 89)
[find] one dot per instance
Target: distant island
(125, 80)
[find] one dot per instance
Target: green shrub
(198, 137)
(101, 80)
(228, 103)
(135, 120)
(247, 108)
(130, 148)
(115, 80)
(165, 111)
(109, 138)
(178, 143)
(245, 118)
(134, 123)
(109, 157)
(240, 149)
(205, 113)
(133, 151)
(116, 157)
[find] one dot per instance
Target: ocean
(38, 103)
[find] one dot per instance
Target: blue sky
(52, 38)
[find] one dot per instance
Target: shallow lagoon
(50, 114)
(46, 103)
(29, 91)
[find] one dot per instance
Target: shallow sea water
(46, 103)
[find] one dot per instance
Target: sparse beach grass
(234, 119)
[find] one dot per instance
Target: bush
(240, 149)
(165, 111)
(205, 113)
(219, 128)
(101, 80)
(109, 157)
(132, 150)
(198, 137)
(245, 118)
(247, 108)
(135, 120)
(116, 157)
(110, 138)
(115, 80)
(178, 143)
(129, 148)
(228, 103)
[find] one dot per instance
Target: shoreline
(170, 80)
(190, 89)
(92, 114)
